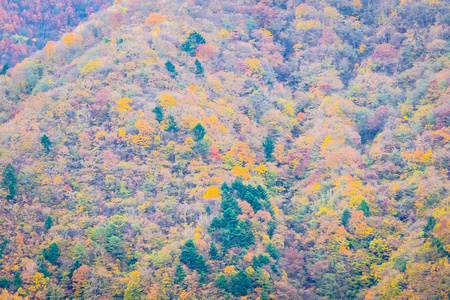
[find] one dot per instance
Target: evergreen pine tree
(171, 69)
(159, 114)
(192, 259)
(213, 253)
(51, 254)
(41, 266)
(431, 222)
(180, 274)
(171, 124)
(262, 192)
(222, 282)
(79, 253)
(115, 247)
(198, 132)
(198, 67)
(190, 45)
(48, 223)
(4, 283)
(17, 280)
(9, 181)
(3, 246)
(45, 141)
(345, 217)
(269, 146)
(253, 201)
(272, 227)
(240, 284)
(365, 208)
(4, 69)
(76, 265)
(272, 251)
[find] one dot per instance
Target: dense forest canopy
(231, 150)
(27, 25)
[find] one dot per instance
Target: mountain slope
(194, 150)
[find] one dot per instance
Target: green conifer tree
(180, 274)
(75, 266)
(272, 251)
(4, 283)
(45, 141)
(198, 67)
(365, 208)
(171, 69)
(79, 252)
(48, 223)
(213, 253)
(171, 124)
(191, 258)
(269, 146)
(159, 114)
(240, 284)
(114, 246)
(52, 253)
(17, 280)
(222, 282)
(345, 217)
(9, 181)
(41, 266)
(198, 132)
(4, 69)
(431, 222)
(190, 45)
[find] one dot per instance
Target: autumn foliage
(225, 150)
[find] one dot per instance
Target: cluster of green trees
(228, 230)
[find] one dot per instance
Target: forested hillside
(27, 25)
(231, 150)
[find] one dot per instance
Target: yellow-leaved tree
(241, 172)
(254, 65)
(144, 138)
(134, 287)
(123, 105)
(72, 38)
(90, 67)
(167, 100)
(212, 192)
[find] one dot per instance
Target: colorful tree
(72, 38)
(211, 192)
(255, 67)
(154, 19)
(134, 289)
(167, 100)
(123, 105)
(241, 172)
